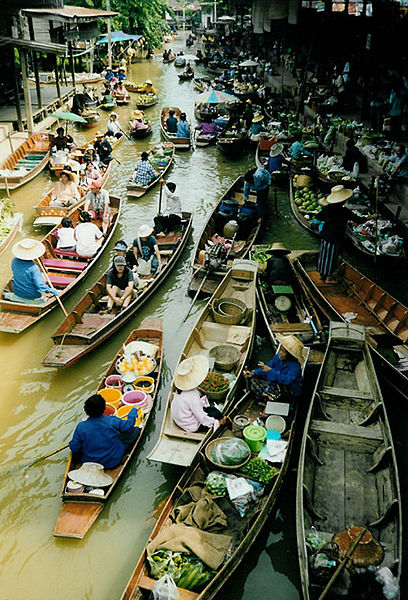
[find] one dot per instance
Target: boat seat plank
(290, 327)
(173, 430)
(72, 253)
(62, 354)
(345, 393)
(60, 281)
(342, 430)
(60, 264)
(147, 583)
(76, 518)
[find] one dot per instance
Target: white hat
(113, 114)
(145, 231)
(276, 150)
(191, 372)
(28, 249)
(91, 473)
(338, 194)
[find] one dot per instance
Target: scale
(283, 297)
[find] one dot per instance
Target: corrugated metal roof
(71, 12)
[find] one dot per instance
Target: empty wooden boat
(176, 446)
(232, 145)
(84, 329)
(211, 258)
(180, 143)
(347, 474)
(80, 510)
(65, 270)
(135, 190)
(26, 162)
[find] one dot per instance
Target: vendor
(256, 128)
(148, 88)
(278, 269)
(189, 409)
(120, 92)
(282, 375)
(297, 149)
(354, 161)
(65, 193)
(28, 282)
(113, 126)
(145, 248)
(138, 123)
(169, 220)
(144, 173)
(258, 180)
(119, 284)
(98, 205)
(207, 127)
(102, 439)
(276, 160)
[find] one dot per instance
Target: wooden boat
(65, 270)
(180, 62)
(91, 117)
(202, 140)
(135, 190)
(186, 75)
(170, 59)
(233, 145)
(200, 84)
(56, 168)
(26, 162)
(123, 101)
(9, 226)
(146, 100)
(211, 233)
(84, 329)
(49, 216)
(140, 583)
(176, 446)
(180, 143)
(139, 134)
(347, 471)
(80, 510)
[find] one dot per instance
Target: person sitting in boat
(103, 148)
(281, 376)
(190, 410)
(120, 92)
(102, 439)
(148, 88)
(207, 127)
(257, 127)
(183, 128)
(276, 160)
(258, 180)
(88, 236)
(97, 204)
(138, 123)
(28, 282)
(109, 75)
(146, 250)
(113, 126)
(65, 192)
(121, 249)
(169, 220)
(171, 122)
(278, 269)
(66, 235)
(119, 284)
(189, 70)
(61, 141)
(144, 173)
(91, 173)
(122, 74)
(199, 55)
(297, 149)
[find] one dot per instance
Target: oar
(125, 134)
(196, 295)
(114, 158)
(160, 197)
(50, 284)
(34, 462)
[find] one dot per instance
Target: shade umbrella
(68, 116)
(249, 63)
(215, 97)
(226, 18)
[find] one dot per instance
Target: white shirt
(66, 237)
(172, 203)
(113, 126)
(86, 235)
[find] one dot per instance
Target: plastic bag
(162, 563)
(216, 483)
(243, 493)
(165, 589)
(231, 452)
(315, 540)
(385, 576)
(144, 266)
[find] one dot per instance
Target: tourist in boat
(282, 376)
(190, 410)
(146, 251)
(98, 205)
(122, 249)
(207, 127)
(66, 235)
(120, 92)
(171, 122)
(88, 236)
(276, 160)
(148, 88)
(258, 180)
(65, 192)
(92, 156)
(183, 129)
(28, 281)
(119, 284)
(103, 148)
(165, 55)
(278, 269)
(138, 123)
(169, 220)
(297, 149)
(61, 141)
(113, 126)
(144, 173)
(101, 439)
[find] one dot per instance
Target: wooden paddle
(34, 462)
(125, 134)
(50, 284)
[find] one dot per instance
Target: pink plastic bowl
(114, 381)
(136, 398)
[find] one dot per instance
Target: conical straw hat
(338, 194)
(292, 345)
(92, 474)
(191, 372)
(28, 249)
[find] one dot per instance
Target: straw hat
(113, 114)
(257, 119)
(99, 134)
(322, 201)
(368, 552)
(69, 174)
(28, 249)
(137, 114)
(92, 474)
(149, 82)
(276, 150)
(338, 194)
(277, 247)
(145, 231)
(191, 372)
(292, 345)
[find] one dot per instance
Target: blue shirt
(96, 439)
(262, 180)
(28, 281)
(256, 128)
(297, 149)
(403, 166)
(183, 129)
(171, 123)
(147, 245)
(275, 163)
(286, 372)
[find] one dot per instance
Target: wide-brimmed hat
(113, 114)
(69, 174)
(338, 194)
(90, 147)
(292, 345)
(96, 184)
(28, 249)
(92, 474)
(257, 118)
(249, 101)
(149, 82)
(76, 153)
(191, 372)
(145, 231)
(276, 248)
(99, 134)
(276, 150)
(137, 114)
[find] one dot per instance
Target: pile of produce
(145, 98)
(260, 255)
(259, 470)
(307, 200)
(188, 571)
(133, 365)
(331, 167)
(230, 453)
(216, 483)
(214, 383)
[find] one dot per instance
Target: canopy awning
(119, 36)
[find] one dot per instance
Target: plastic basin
(110, 410)
(135, 399)
(111, 396)
(144, 384)
(114, 381)
(255, 435)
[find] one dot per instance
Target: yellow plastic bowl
(144, 384)
(111, 396)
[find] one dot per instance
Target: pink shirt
(187, 410)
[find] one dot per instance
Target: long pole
(197, 294)
(160, 198)
(376, 225)
(50, 284)
(37, 460)
(109, 37)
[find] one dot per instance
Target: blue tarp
(119, 36)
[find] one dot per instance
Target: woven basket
(229, 311)
(226, 356)
(215, 395)
(208, 452)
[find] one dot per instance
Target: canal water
(40, 407)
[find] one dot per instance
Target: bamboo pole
(50, 284)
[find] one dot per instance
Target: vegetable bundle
(259, 470)
(214, 383)
(188, 571)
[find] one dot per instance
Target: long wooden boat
(347, 471)
(233, 146)
(354, 297)
(170, 59)
(30, 158)
(139, 134)
(141, 582)
(9, 226)
(212, 233)
(135, 190)
(65, 270)
(49, 216)
(186, 76)
(80, 510)
(176, 446)
(146, 100)
(180, 143)
(84, 329)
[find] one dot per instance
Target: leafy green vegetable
(188, 571)
(259, 470)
